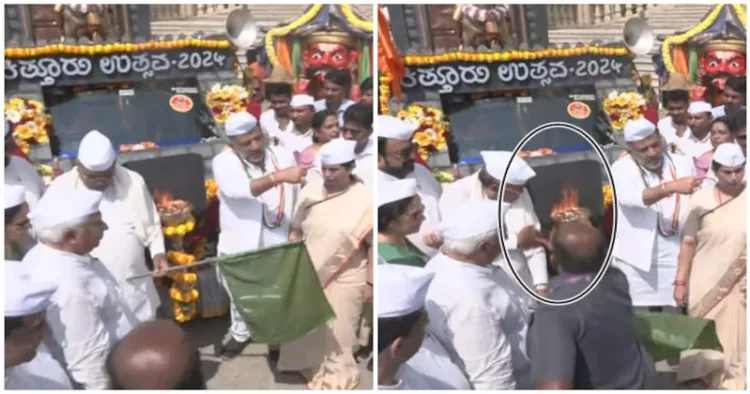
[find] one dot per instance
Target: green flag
(666, 335)
(277, 292)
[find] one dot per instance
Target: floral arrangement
(433, 128)
(624, 107)
(443, 176)
(511, 56)
(212, 189)
(607, 192)
(385, 93)
(113, 48)
(29, 122)
(226, 100)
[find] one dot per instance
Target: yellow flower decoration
(623, 107)
(607, 192)
(114, 48)
(225, 100)
(28, 120)
(431, 135)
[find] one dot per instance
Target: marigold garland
(212, 189)
(385, 94)
(28, 121)
(286, 30)
(226, 100)
(113, 48)
(666, 46)
(509, 56)
(431, 135)
(179, 230)
(607, 193)
(623, 107)
(350, 17)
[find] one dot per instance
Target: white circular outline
(608, 258)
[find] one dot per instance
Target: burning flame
(163, 199)
(569, 201)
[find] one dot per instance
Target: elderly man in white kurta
(653, 191)
(132, 220)
(401, 297)
(258, 189)
(26, 299)
(396, 161)
(481, 185)
(529, 263)
(20, 172)
(88, 313)
(472, 312)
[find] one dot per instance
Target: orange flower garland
(28, 121)
(510, 56)
(115, 48)
(431, 136)
(623, 107)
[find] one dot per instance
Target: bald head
(579, 247)
(157, 355)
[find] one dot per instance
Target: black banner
(69, 70)
(465, 77)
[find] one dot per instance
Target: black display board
(180, 175)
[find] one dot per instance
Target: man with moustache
(653, 191)
(278, 90)
(358, 127)
(396, 161)
(258, 189)
(300, 137)
(734, 97)
(698, 141)
(336, 86)
(676, 100)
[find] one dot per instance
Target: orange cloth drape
(389, 60)
(679, 60)
(283, 53)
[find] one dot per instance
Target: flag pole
(211, 260)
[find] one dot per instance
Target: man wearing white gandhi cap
(474, 311)
(258, 189)
(408, 358)
(20, 172)
(89, 312)
(299, 137)
(131, 217)
(653, 192)
(698, 140)
(334, 217)
(28, 362)
(396, 161)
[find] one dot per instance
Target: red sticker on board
(579, 110)
(181, 103)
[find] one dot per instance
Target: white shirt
(270, 125)
(241, 215)
(41, 373)
(321, 105)
(668, 130)
(21, 172)
(651, 266)
(87, 315)
(458, 192)
(720, 111)
(693, 147)
(295, 141)
(480, 323)
(364, 164)
(432, 369)
(429, 191)
(530, 264)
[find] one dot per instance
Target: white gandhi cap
(520, 171)
(15, 195)
(638, 130)
(239, 123)
(697, 107)
(729, 155)
(395, 128)
(25, 296)
(96, 152)
(337, 151)
(470, 219)
(301, 100)
(495, 163)
(401, 289)
(58, 207)
(396, 191)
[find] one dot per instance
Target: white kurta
(270, 125)
(321, 105)
(668, 130)
(21, 172)
(693, 147)
(241, 215)
(432, 369)
(88, 313)
(121, 249)
(530, 264)
(364, 165)
(652, 265)
(459, 192)
(480, 323)
(295, 141)
(429, 190)
(41, 373)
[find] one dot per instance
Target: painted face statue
(321, 56)
(717, 65)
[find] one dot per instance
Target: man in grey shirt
(591, 343)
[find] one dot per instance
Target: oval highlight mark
(501, 230)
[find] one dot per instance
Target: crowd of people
(452, 316)
(76, 319)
